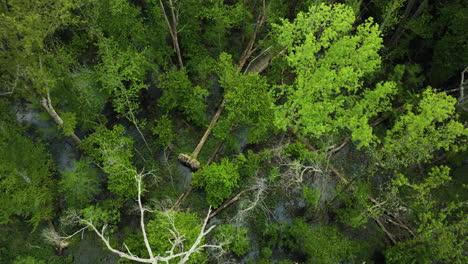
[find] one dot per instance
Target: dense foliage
(311, 131)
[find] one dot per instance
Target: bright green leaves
(249, 102)
(28, 260)
(101, 215)
(330, 59)
(233, 238)
(121, 74)
(424, 129)
(185, 224)
(356, 118)
(179, 94)
(80, 184)
(113, 150)
(218, 180)
(26, 177)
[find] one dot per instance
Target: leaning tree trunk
(258, 64)
(47, 104)
(172, 26)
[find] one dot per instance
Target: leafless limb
(15, 83)
(462, 85)
(60, 242)
(249, 50)
(172, 26)
(295, 172)
(260, 188)
(389, 235)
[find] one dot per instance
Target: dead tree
(177, 242)
(191, 160)
(463, 83)
(172, 24)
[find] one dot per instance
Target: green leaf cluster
(331, 58)
(164, 130)
(322, 243)
(186, 224)
(80, 184)
(180, 95)
(441, 226)
(423, 129)
(27, 187)
(218, 180)
(249, 102)
(233, 238)
(113, 150)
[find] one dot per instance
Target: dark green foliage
(27, 186)
(322, 243)
(357, 207)
(80, 184)
(299, 151)
(312, 196)
(339, 128)
(179, 94)
(19, 242)
(106, 213)
(234, 238)
(441, 227)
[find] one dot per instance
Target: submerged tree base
(189, 162)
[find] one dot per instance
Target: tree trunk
(47, 104)
(406, 17)
(173, 30)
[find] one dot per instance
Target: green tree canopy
(218, 180)
(27, 187)
(113, 150)
(331, 58)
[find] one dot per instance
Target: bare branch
(462, 85)
(138, 178)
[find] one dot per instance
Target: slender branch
(390, 235)
(138, 178)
